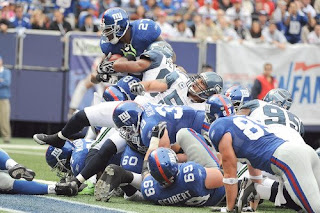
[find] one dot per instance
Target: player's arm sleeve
(256, 89)
(154, 57)
(171, 78)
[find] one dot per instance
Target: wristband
(259, 177)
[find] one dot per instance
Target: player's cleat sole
(68, 189)
(52, 140)
(107, 183)
(19, 171)
(247, 191)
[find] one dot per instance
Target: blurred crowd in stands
(278, 22)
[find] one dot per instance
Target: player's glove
(103, 77)
(137, 89)
(158, 130)
(105, 67)
(129, 52)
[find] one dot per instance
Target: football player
(177, 88)
(96, 118)
(238, 95)
(274, 109)
(242, 137)
(119, 36)
(135, 125)
(10, 171)
(170, 183)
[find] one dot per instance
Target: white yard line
(89, 205)
(19, 146)
(24, 152)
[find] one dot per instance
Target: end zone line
(10, 210)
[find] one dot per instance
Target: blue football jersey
(176, 117)
(188, 188)
(79, 155)
(250, 140)
(132, 160)
(143, 33)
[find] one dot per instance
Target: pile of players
(178, 138)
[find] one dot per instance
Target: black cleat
(68, 189)
(52, 140)
(19, 171)
(108, 182)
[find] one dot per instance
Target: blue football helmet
(164, 47)
(115, 22)
(163, 166)
(238, 95)
(218, 106)
(59, 159)
(78, 157)
(207, 84)
(279, 97)
(113, 93)
(121, 91)
(127, 117)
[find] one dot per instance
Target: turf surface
(28, 153)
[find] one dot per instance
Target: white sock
(80, 178)
(10, 163)
(51, 189)
(264, 189)
(60, 135)
(137, 180)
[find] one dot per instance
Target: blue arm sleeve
(171, 78)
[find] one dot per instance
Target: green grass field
(32, 156)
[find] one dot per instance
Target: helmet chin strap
(115, 40)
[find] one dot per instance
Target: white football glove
(105, 67)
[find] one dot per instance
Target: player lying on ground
(10, 171)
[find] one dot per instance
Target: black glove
(103, 77)
(158, 130)
(129, 52)
(137, 89)
(105, 67)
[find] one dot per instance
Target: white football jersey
(272, 114)
(176, 94)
